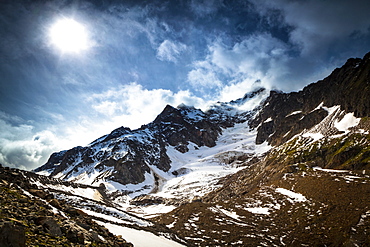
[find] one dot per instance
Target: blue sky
(142, 55)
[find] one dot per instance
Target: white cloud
(132, 105)
(21, 147)
(257, 57)
(238, 90)
(170, 51)
(204, 76)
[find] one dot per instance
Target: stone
(55, 203)
(77, 234)
(49, 197)
(39, 193)
(12, 235)
(49, 225)
(75, 212)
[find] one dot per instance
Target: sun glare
(69, 36)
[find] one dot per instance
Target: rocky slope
(43, 211)
(307, 207)
(33, 217)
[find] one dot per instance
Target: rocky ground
(306, 208)
(303, 193)
(33, 217)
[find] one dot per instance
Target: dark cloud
(192, 51)
(317, 25)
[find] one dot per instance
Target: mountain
(134, 162)
(312, 187)
(268, 169)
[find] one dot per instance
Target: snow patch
(258, 210)
(230, 214)
(316, 168)
(103, 216)
(268, 120)
(139, 238)
(318, 107)
(44, 173)
(171, 225)
(314, 136)
(348, 121)
(293, 113)
(151, 210)
(295, 196)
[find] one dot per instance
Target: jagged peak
(249, 95)
(167, 111)
(117, 133)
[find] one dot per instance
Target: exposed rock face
(186, 124)
(348, 86)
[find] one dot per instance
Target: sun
(69, 36)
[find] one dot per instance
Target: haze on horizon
(126, 60)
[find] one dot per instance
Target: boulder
(55, 203)
(39, 193)
(12, 235)
(49, 224)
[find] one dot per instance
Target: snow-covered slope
(199, 170)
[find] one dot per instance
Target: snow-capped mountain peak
(134, 162)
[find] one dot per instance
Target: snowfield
(200, 169)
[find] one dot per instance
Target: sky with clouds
(141, 55)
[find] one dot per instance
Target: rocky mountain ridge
(348, 87)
